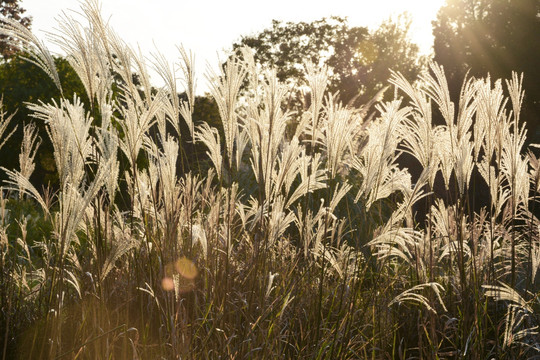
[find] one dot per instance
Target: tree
(359, 61)
(12, 10)
(21, 82)
(395, 51)
(495, 37)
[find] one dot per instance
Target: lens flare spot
(186, 268)
(167, 284)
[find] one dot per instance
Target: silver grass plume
(518, 315)
(29, 147)
(225, 88)
(187, 66)
(266, 127)
(490, 117)
(68, 128)
(16, 181)
(171, 103)
(415, 296)
(513, 165)
(107, 144)
(377, 161)
(4, 123)
(312, 176)
(463, 161)
(317, 81)
(209, 136)
(419, 136)
(399, 242)
(21, 37)
(436, 88)
(73, 201)
(288, 167)
(87, 52)
(339, 131)
(138, 119)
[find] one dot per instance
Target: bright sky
(208, 27)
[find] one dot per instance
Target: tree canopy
(495, 37)
(22, 82)
(11, 9)
(359, 61)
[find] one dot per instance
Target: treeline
(474, 37)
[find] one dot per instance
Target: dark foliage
(495, 37)
(359, 60)
(22, 82)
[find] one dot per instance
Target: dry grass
(300, 239)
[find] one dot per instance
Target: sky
(210, 27)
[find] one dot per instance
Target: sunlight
(197, 28)
(422, 13)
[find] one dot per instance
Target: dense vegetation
(493, 37)
(293, 236)
(358, 60)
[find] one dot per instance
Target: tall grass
(297, 235)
